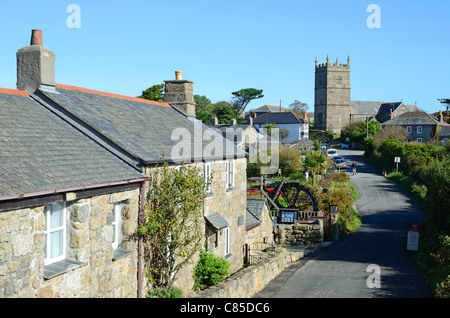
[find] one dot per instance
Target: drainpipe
(141, 240)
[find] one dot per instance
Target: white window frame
(227, 248)
(207, 174)
(116, 224)
(49, 231)
(409, 130)
(419, 140)
(419, 130)
(230, 174)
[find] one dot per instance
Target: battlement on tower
(333, 66)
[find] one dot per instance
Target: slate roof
(279, 118)
(365, 107)
(40, 152)
(254, 210)
(143, 128)
(268, 108)
(413, 118)
(217, 221)
(377, 108)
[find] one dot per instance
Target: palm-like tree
(315, 162)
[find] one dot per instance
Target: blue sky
(223, 46)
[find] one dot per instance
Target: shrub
(210, 270)
(165, 292)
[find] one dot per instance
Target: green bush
(165, 292)
(210, 270)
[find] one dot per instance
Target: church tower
(332, 96)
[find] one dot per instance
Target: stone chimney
(441, 117)
(179, 94)
(215, 121)
(35, 65)
(233, 122)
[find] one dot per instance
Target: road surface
(373, 261)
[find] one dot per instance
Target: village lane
(348, 268)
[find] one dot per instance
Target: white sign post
(413, 238)
(397, 160)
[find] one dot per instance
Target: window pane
(56, 215)
(114, 234)
(56, 244)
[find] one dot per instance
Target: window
(207, 173)
(419, 139)
(55, 233)
(117, 216)
(230, 174)
(227, 241)
(419, 129)
(338, 80)
(409, 130)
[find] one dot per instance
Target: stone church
(333, 108)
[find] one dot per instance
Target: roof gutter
(71, 189)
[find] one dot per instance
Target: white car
(331, 153)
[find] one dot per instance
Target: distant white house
(298, 127)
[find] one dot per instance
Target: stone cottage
(420, 126)
(67, 208)
(259, 222)
(145, 133)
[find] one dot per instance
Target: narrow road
(343, 270)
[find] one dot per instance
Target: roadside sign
(413, 238)
(397, 160)
(413, 241)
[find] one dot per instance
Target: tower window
(338, 80)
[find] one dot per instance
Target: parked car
(345, 145)
(337, 158)
(331, 153)
(340, 164)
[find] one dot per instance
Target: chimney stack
(441, 116)
(35, 65)
(179, 94)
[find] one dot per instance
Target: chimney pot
(36, 37)
(178, 75)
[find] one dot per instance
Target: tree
(389, 132)
(314, 162)
(269, 128)
(203, 103)
(225, 113)
(203, 109)
(298, 108)
(155, 92)
(289, 161)
(245, 96)
(172, 229)
(284, 133)
(445, 101)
